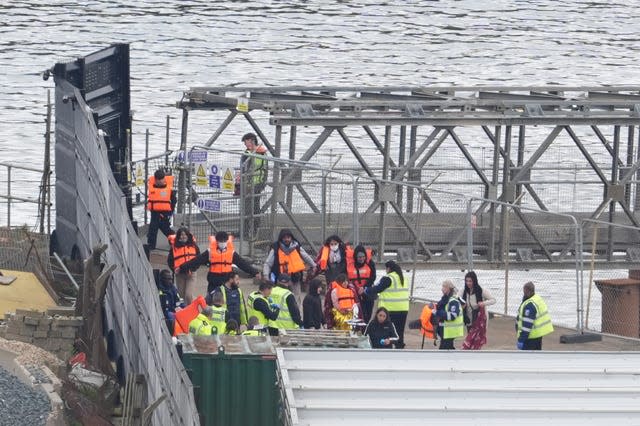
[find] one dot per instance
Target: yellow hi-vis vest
(254, 312)
(219, 318)
(284, 321)
(202, 326)
(396, 297)
(542, 324)
(454, 328)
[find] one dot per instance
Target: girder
(379, 116)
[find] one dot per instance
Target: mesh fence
(23, 250)
(254, 203)
(132, 306)
(612, 296)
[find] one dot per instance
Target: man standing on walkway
(533, 321)
(287, 257)
(254, 177)
(221, 256)
(161, 200)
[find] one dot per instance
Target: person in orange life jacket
(263, 304)
(287, 257)
(168, 297)
(381, 330)
(221, 257)
(395, 300)
(161, 200)
(183, 249)
(234, 300)
(329, 315)
(361, 271)
(312, 306)
(343, 298)
(448, 309)
(332, 259)
(254, 173)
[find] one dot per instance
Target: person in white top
(474, 298)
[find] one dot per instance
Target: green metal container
(234, 389)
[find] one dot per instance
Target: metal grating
(328, 387)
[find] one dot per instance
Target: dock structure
(432, 162)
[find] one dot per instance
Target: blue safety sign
(208, 205)
(214, 181)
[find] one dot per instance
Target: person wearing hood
(286, 256)
(312, 306)
(168, 297)
(183, 249)
(361, 272)
(332, 259)
(254, 173)
(221, 256)
(233, 299)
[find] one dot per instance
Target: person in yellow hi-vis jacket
(533, 321)
(392, 292)
(449, 312)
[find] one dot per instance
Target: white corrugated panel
(387, 387)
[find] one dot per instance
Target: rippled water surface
(178, 44)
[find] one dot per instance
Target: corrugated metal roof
(388, 387)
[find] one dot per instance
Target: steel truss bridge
(533, 136)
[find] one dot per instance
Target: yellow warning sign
(242, 105)
(227, 180)
(139, 174)
(201, 175)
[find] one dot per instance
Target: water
(178, 44)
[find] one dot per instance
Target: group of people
(350, 290)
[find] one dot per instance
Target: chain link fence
(430, 231)
(612, 296)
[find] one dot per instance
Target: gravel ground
(20, 404)
(31, 355)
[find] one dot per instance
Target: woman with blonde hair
(449, 314)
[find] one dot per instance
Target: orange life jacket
(426, 328)
(220, 263)
(346, 300)
(181, 254)
(186, 315)
(159, 199)
(358, 276)
(290, 263)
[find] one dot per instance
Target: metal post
(385, 174)
(8, 196)
(276, 180)
(356, 224)
(494, 183)
(47, 163)
(470, 235)
(146, 171)
(182, 184)
(292, 156)
(166, 141)
(579, 280)
(614, 180)
(323, 211)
